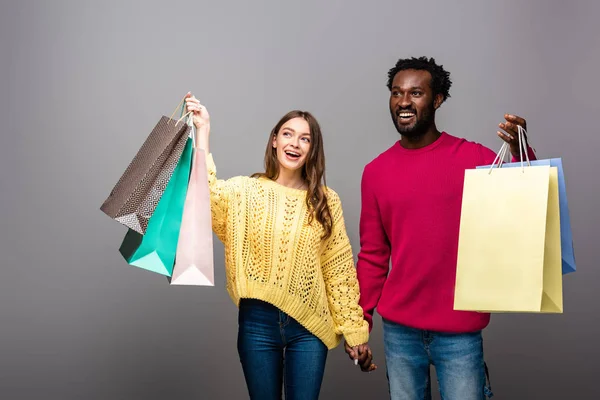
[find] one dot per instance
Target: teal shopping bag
(155, 250)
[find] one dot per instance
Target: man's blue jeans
(275, 349)
(458, 361)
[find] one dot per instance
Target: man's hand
(511, 133)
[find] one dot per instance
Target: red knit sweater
(411, 202)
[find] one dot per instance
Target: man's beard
(421, 125)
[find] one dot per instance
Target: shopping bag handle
(182, 115)
(189, 121)
(504, 149)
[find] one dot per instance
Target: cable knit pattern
(273, 254)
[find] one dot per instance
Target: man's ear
(439, 99)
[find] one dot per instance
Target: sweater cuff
(530, 153)
(211, 168)
(358, 337)
(210, 162)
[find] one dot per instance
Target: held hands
(511, 133)
(200, 113)
(362, 356)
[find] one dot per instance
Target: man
(411, 202)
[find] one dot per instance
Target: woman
(289, 263)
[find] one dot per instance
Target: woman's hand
(201, 120)
(362, 356)
(200, 113)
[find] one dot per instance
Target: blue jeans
(458, 361)
(276, 350)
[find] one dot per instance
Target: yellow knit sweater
(272, 254)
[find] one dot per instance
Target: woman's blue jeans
(277, 352)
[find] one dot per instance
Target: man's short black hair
(440, 78)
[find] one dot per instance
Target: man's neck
(424, 140)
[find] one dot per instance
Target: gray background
(83, 83)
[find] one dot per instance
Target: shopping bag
(566, 234)
(509, 253)
(194, 257)
(155, 250)
(137, 193)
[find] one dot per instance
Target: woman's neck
(291, 179)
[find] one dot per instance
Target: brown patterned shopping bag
(135, 196)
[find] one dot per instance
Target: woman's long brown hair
(313, 171)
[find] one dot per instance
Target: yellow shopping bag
(509, 251)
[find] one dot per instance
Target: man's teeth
(405, 114)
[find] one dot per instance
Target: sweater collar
(280, 188)
(432, 146)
